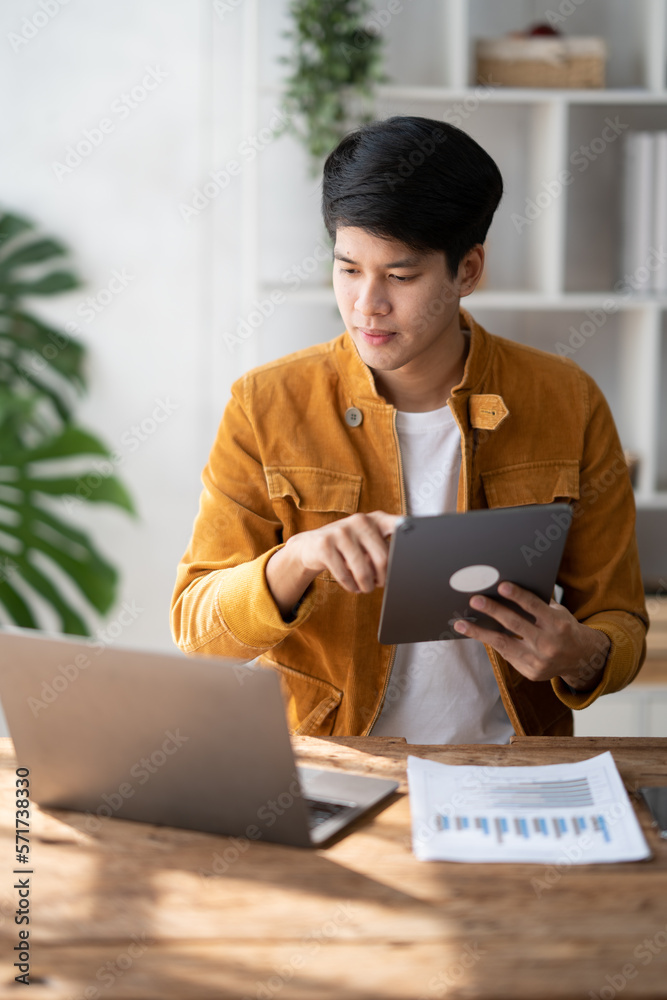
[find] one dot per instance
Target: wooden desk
(128, 913)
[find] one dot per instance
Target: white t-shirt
(442, 691)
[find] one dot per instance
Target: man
(414, 408)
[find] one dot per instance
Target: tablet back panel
(521, 544)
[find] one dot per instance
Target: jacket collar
(358, 377)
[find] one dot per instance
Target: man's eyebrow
(405, 262)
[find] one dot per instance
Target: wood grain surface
(140, 911)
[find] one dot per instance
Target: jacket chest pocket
(532, 482)
(305, 498)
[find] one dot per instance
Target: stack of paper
(572, 813)
(644, 258)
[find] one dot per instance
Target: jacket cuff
(248, 608)
(620, 667)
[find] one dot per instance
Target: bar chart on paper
(569, 814)
(579, 813)
(506, 828)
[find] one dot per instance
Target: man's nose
(371, 299)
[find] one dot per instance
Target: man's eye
(398, 277)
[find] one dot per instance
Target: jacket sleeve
(222, 604)
(600, 572)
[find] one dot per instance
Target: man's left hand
(555, 645)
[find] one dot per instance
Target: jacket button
(353, 416)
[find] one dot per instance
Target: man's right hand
(353, 550)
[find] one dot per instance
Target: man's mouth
(375, 336)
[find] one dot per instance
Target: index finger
(387, 523)
(524, 598)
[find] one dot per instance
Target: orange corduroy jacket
(535, 428)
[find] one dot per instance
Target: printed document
(573, 813)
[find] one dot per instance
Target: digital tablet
(436, 564)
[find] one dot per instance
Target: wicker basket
(541, 62)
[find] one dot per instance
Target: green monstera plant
(44, 455)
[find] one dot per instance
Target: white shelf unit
(544, 279)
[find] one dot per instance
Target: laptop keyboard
(319, 810)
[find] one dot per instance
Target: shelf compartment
(628, 28)
(594, 204)
(524, 141)
(416, 48)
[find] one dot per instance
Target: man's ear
(470, 270)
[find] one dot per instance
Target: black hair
(420, 181)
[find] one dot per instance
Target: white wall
(119, 211)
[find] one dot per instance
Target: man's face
(400, 308)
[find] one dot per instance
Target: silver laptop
(437, 563)
(186, 741)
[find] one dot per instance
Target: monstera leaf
(44, 457)
(41, 367)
